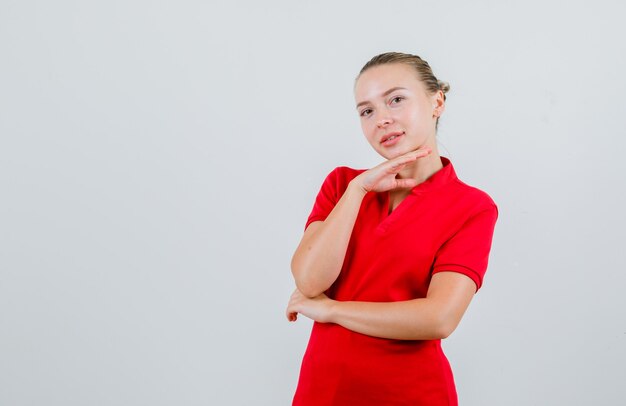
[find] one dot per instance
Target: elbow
(444, 326)
(444, 331)
(308, 290)
(305, 285)
(435, 330)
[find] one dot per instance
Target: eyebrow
(393, 89)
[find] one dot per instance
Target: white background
(158, 160)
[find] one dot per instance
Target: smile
(391, 138)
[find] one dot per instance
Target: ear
(439, 104)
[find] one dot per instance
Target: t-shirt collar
(438, 179)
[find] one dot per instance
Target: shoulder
(462, 196)
(340, 177)
(347, 172)
(473, 198)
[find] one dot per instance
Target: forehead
(375, 81)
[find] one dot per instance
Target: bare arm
(317, 261)
(433, 317)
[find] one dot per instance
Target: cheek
(367, 129)
(420, 118)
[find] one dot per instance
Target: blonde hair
(424, 72)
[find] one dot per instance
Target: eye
(365, 112)
(397, 99)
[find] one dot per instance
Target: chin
(401, 150)
(398, 150)
(392, 154)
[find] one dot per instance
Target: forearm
(417, 319)
(317, 261)
(434, 317)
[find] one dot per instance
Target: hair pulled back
(421, 67)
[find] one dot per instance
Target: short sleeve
(326, 199)
(467, 251)
(331, 191)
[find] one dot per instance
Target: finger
(402, 160)
(417, 153)
(399, 162)
(412, 155)
(423, 151)
(405, 159)
(420, 152)
(406, 183)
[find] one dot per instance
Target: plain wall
(158, 161)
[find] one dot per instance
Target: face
(397, 115)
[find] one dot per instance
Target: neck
(423, 168)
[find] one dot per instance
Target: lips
(390, 136)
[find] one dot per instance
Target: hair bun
(444, 86)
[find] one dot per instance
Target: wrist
(355, 187)
(334, 310)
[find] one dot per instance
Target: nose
(383, 121)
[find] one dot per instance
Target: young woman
(391, 256)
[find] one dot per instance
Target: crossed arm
(434, 317)
(317, 262)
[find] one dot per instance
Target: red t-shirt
(442, 225)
